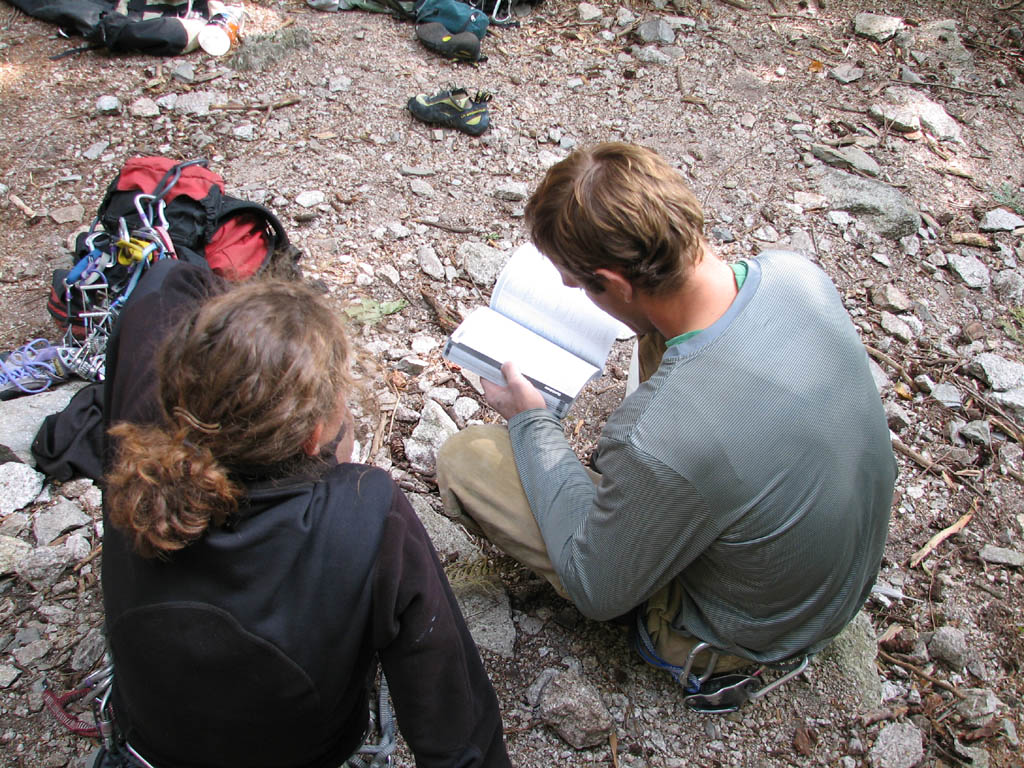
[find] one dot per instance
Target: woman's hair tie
(194, 423)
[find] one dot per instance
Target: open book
(556, 335)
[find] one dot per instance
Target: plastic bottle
(222, 32)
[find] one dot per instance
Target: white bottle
(223, 29)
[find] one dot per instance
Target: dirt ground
(742, 93)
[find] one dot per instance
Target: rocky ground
(889, 150)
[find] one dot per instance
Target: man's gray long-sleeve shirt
(754, 466)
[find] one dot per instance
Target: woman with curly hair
(252, 582)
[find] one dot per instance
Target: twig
(882, 714)
(18, 203)
(445, 318)
(922, 674)
(955, 88)
(236, 107)
(743, 5)
(941, 536)
(447, 227)
(843, 108)
(89, 558)
(1009, 7)
(378, 436)
(884, 358)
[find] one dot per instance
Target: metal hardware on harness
(727, 693)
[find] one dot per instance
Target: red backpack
(158, 208)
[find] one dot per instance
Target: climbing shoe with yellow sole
(454, 109)
(463, 46)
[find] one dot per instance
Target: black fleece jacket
(255, 645)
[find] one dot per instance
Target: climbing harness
(710, 693)
(377, 755)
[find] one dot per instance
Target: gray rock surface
(996, 371)
(850, 157)
(949, 644)
(572, 706)
(899, 745)
(12, 552)
(876, 26)
(435, 426)
(64, 516)
(43, 566)
(890, 298)
(884, 208)
(970, 269)
(1000, 220)
(853, 653)
(19, 485)
(450, 539)
(1002, 556)
(482, 263)
(21, 417)
(909, 110)
(484, 604)
(656, 30)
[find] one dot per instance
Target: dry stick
(89, 558)
(922, 674)
(743, 5)
(689, 98)
(378, 436)
(884, 358)
(445, 319)
(941, 536)
(18, 203)
(956, 88)
(883, 714)
(447, 227)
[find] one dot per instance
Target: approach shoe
(453, 108)
(463, 46)
(30, 369)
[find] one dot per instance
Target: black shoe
(453, 108)
(464, 46)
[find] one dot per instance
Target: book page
(496, 338)
(530, 291)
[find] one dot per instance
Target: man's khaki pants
(480, 488)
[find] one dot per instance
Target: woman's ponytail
(163, 490)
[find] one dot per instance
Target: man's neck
(702, 299)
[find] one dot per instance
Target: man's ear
(616, 282)
(312, 445)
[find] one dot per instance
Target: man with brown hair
(744, 489)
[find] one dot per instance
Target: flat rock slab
(899, 745)
(885, 209)
(1001, 220)
(907, 110)
(877, 27)
(488, 615)
(849, 157)
(19, 486)
(1002, 556)
(21, 417)
(572, 706)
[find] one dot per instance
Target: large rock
(949, 644)
(435, 426)
(21, 417)
(449, 538)
(65, 515)
(970, 269)
(907, 110)
(936, 45)
(996, 371)
(484, 603)
(899, 745)
(876, 27)
(1000, 220)
(883, 208)
(44, 566)
(12, 552)
(572, 706)
(849, 157)
(482, 263)
(19, 486)
(853, 653)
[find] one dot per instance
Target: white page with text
(530, 291)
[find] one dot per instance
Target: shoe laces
(30, 368)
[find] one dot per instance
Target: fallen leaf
(804, 740)
(816, 67)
